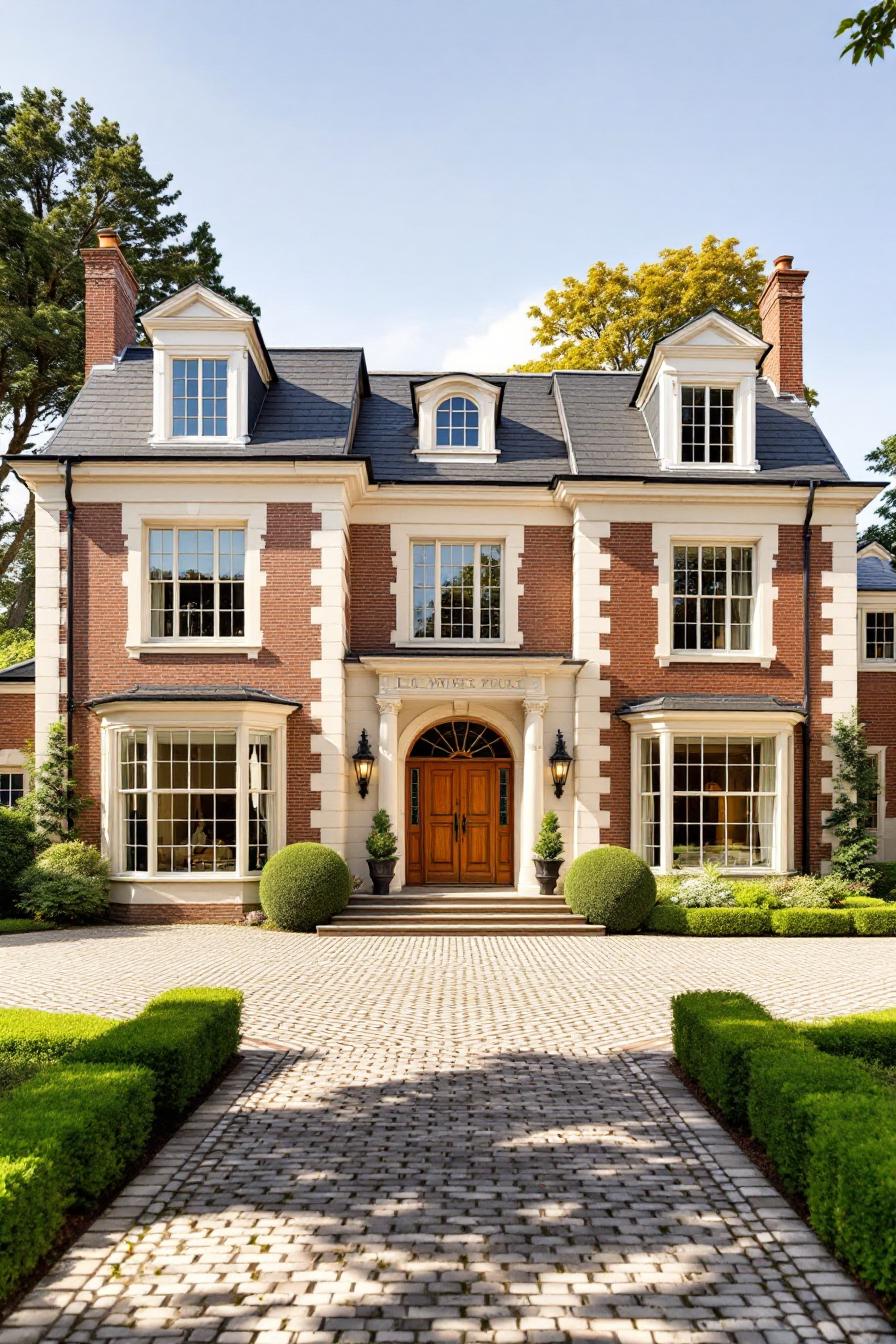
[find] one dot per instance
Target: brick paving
(449, 1146)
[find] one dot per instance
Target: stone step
(449, 906)
(350, 916)
(423, 928)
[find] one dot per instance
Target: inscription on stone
(448, 683)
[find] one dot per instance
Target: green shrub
(610, 886)
(852, 1184)
(800, 923)
(304, 885)
(784, 1090)
(16, 853)
(755, 893)
(706, 890)
(382, 842)
(863, 903)
(31, 1213)
(666, 887)
(24, 926)
(884, 881)
(868, 1036)
(30, 1035)
(91, 1121)
(714, 1033)
(876, 923)
(185, 1037)
(74, 858)
(667, 918)
(549, 843)
(727, 922)
(62, 900)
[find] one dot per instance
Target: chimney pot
(110, 300)
(781, 312)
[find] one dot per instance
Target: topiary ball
(303, 886)
(611, 886)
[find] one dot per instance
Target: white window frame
(764, 540)
(463, 641)
(874, 603)
(230, 385)
(727, 546)
(137, 520)
(670, 726)
(246, 720)
(707, 388)
(430, 395)
(510, 537)
(13, 763)
(216, 581)
(879, 831)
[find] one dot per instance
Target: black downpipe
(69, 625)
(807, 651)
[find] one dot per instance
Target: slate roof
(873, 574)
(228, 692)
(17, 672)
(308, 413)
(709, 704)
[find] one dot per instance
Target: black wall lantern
(560, 763)
(363, 762)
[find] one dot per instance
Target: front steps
(458, 912)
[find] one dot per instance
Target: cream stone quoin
(279, 551)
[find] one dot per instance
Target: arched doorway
(459, 806)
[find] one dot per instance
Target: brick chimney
(781, 311)
(110, 301)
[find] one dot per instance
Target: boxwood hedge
(31, 1214)
(184, 1037)
(809, 923)
(867, 1036)
(711, 921)
(714, 1034)
(876, 922)
(29, 1035)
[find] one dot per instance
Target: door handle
(455, 825)
(463, 824)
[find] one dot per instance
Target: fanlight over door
(459, 806)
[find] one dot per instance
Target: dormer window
(707, 424)
(457, 416)
(199, 398)
(697, 394)
(457, 423)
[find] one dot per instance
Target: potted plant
(382, 847)
(548, 854)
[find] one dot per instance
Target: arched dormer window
(457, 423)
(457, 417)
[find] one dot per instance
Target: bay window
(711, 797)
(194, 801)
(456, 590)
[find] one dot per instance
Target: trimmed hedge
(714, 1034)
(807, 923)
(29, 1035)
(610, 886)
(184, 1037)
(31, 1214)
(867, 1036)
(90, 1121)
(16, 853)
(875, 922)
(852, 1184)
(784, 1090)
(711, 921)
(304, 885)
(24, 926)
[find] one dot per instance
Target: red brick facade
(781, 311)
(634, 670)
(16, 720)
(110, 298)
(546, 600)
(371, 600)
(102, 665)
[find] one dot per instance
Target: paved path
(450, 1146)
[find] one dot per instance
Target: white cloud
(500, 342)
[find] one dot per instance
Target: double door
(459, 822)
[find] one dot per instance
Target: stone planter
(381, 873)
(547, 871)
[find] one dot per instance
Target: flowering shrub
(702, 891)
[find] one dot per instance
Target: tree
(63, 175)
(611, 319)
(855, 788)
(54, 803)
(883, 459)
(870, 32)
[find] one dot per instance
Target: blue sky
(410, 174)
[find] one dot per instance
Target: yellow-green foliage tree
(610, 319)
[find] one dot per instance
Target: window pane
(12, 787)
(424, 563)
(723, 803)
(490, 591)
(457, 423)
(693, 424)
(649, 768)
(879, 635)
(712, 597)
(456, 585)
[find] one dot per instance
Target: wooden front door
(459, 822)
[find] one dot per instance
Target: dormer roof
(709, 337)
(198, 309)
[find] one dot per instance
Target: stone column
(532, 801)
(387, 757)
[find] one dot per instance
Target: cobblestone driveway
(450, 1145)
